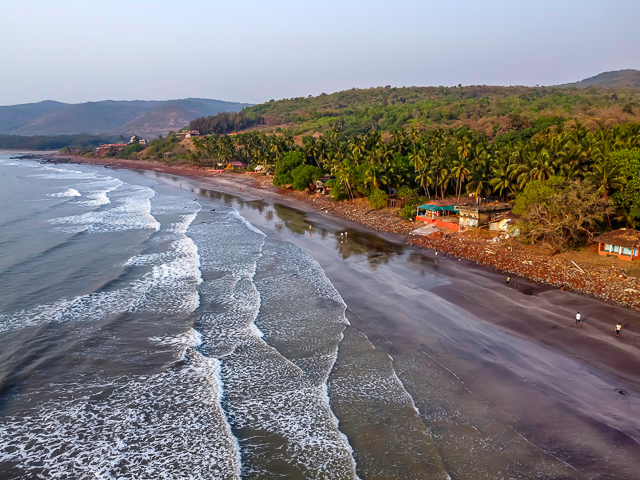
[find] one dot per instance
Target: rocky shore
(506, 255)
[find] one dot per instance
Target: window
(607, 247)
(626, 251)
(616, 249)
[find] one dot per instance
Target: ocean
(153, 328)
(148, 333)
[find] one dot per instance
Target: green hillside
(489, 110)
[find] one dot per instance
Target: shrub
(378, 199)
(303, 175)
(406, 192)
(408, 212)
(289, 162)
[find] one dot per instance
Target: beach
(443, 370)
(516, 378)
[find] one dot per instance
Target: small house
(504, 222)
(476, 216)
(623, 243)
(192, 133)
(396, 202)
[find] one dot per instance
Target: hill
(145, 118)
(616, 79)
(490, 110)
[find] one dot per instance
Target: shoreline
(509, 257)
(506, 361)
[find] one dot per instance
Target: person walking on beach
(618, 328)
(578, 318)
(508, 281)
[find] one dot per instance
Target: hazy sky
(252, 51)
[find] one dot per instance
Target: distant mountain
(617, 79)
(145, 118)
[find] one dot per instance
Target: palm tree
(606, 177)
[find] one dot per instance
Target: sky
(254, 51)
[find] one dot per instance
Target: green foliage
(407, 192)
(540, 193)
(377, 199)
(628, 163)
(130, 150)
(304, 175)
(408, 211)
(289, 162)
(494, 110)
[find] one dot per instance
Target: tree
(563, 214)
(284, 173)
(304, 175)
(378, 199)
(627, 162)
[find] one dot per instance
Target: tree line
(452, 162)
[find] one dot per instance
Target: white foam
(168, 425)
(69, 192)
(130, 212)
(168, 288)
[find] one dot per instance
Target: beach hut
(443, 212)
(623, 243)
(476, 216)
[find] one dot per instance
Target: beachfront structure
(504, 222)
(443, 213)
(396, 202)
(476, 216)
(623, 243)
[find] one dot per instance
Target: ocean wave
(131, 211)
(69, 192)
(167, 425)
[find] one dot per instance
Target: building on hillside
(191, 133)
(476, 216)
(623, 243)
(504, 222)
(134, 139)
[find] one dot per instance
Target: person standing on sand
(508, 281)
(618, 328)
(578, 318)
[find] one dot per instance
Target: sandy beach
(516, 377)
(525, 392)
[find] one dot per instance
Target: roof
(447, 203)
(624, 237)
(487, 207)
(450, 202)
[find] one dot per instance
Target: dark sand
(504, 382)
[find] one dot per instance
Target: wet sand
(504, 384)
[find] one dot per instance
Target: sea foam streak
(167, 425)
(286, 409)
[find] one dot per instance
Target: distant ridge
(145, 118)
(615, 79)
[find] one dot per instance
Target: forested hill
(144, 118)
(617, 79)
(490, 110)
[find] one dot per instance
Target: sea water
(131, 336)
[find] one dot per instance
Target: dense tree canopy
(451, 162)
